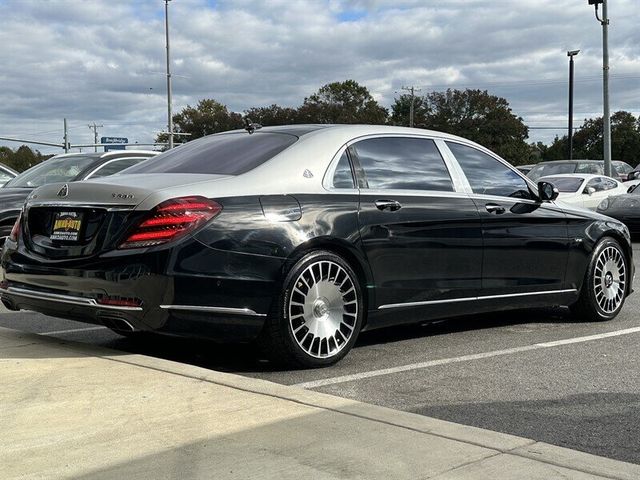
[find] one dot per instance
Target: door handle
(391, 205)
(494, 208)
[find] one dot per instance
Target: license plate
(66, 226)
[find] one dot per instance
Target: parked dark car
(69, 167)
(596, 167)
(625, 207)
(302, 236)
(6, 174)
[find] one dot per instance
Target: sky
(103, 61)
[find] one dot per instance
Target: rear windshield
(550, 169)
(226, 154)
(54, 170)
(566, 184)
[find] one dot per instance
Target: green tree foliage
(588, 140)
(401, 108)
(208, 117)
(483, 118)
(342, 102)
(22, 158)
(272, 115)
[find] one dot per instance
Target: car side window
(488, 176)
(596, 183)
(343, 177)
(403, 163)
(608, 184)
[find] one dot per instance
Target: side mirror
(547, 191)
(589, 190)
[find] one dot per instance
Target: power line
(95, 127)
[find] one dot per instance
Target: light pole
(412, 91)
(571, 54)
(169, 119)
(606, 117)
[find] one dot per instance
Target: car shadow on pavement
(247, 358)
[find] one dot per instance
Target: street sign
(112, 140)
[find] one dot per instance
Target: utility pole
(95, 128)
(571, 54)
(606, 118)
(411, 91)
(169, 119)
(66, 137)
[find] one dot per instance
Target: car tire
(605, 284)
(317, 317)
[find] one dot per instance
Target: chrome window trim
(472, 299)
(68, 299)
(412, 193)
(460, 182)
(229, 310)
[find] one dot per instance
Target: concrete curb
(501, 443)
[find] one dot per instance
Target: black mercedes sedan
(68, 167)
(300, 237)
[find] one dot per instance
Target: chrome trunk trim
(68, 299)
(229, 310)
(471, 299)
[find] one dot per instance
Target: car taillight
(171, 220)
(15, 231)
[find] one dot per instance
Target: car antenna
(251, 127)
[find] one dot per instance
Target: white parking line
(464, 358)
(72, 330)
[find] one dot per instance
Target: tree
(208, 117)
(272, 115)
(401, 110)
(483, 118)
(588, 140)
(342, 102)
(22, 158)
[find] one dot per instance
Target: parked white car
(585, 190)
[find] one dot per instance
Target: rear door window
(402, 163)
(343, 177)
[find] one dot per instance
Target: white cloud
(104, 60)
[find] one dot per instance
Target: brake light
(15, 231)
(119, 301)
(171, 220)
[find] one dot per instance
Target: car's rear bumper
(157, 291)
(219, 323)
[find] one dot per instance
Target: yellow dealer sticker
(66, 226)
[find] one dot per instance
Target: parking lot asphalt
(536, 373)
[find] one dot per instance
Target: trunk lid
(80, 219)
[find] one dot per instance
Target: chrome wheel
(609, 279)
(323, 309)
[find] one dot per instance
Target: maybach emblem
(64, 191)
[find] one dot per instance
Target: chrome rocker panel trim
(471, 299)
(227, 310)
(71, 300)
